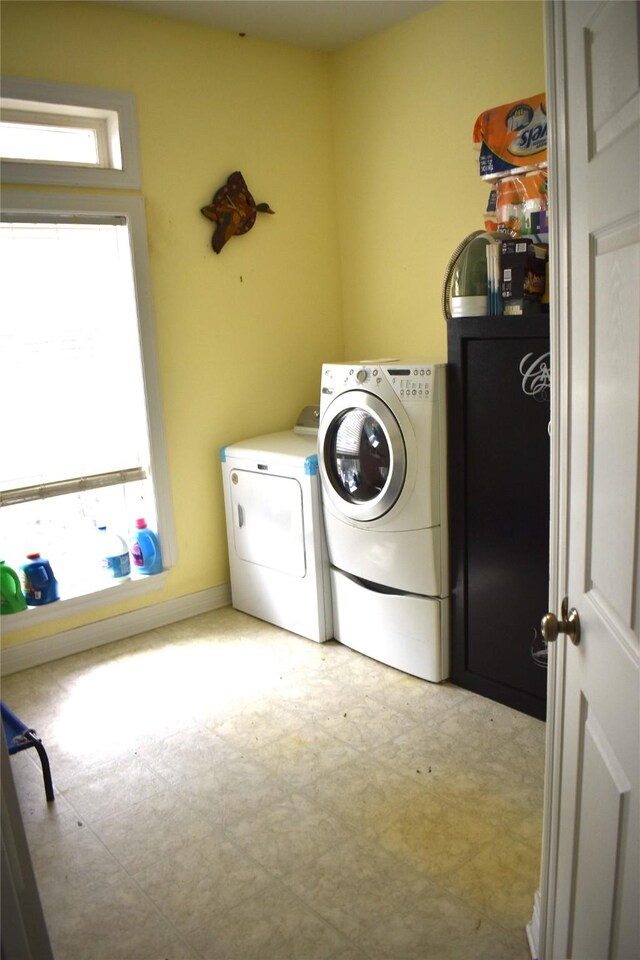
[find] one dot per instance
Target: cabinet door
(500, 513)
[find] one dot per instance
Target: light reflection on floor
(228, 790)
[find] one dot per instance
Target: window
(69, 340)
(77, 136)
(82, 432)
(53, 138)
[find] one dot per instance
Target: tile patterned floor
(228, 791)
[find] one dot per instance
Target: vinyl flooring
(229, 791)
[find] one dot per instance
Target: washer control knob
(361, 375)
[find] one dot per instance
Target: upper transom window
(62, 134)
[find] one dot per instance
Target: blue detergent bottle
(38, 582)
(145, 550)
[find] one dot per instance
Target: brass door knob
(569, 624)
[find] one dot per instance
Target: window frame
(111, 110)
(131, 208)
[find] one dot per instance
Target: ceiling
(327, 25)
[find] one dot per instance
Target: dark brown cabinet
(498, 449)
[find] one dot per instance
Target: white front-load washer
(382, 460)
(278, 561)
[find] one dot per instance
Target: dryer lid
(308, 420)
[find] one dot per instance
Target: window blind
(70, 363)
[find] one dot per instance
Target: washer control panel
(410, 382)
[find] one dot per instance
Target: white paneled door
(590, 888)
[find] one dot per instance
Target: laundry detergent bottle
(114, 555)
(38, 582)
(145, 549)
(11, 596)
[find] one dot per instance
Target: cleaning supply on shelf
(523, 265)
(145, 549)
(114, 555)
(38, 582)
(11, 596)
(521, 204)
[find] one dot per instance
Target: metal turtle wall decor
(233, 210)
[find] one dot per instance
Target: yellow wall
(366, 158)
(241, 336)
(405, 103)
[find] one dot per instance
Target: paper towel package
(512, 137)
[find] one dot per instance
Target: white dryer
(382, 459)
(277, 549)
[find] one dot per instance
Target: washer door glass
(359, 455)
(364, 458)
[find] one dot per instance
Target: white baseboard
(37, 652)
(533, 928)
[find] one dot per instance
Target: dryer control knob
(361, 376)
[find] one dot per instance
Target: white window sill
(68, 606)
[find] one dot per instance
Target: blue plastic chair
(21, 737)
